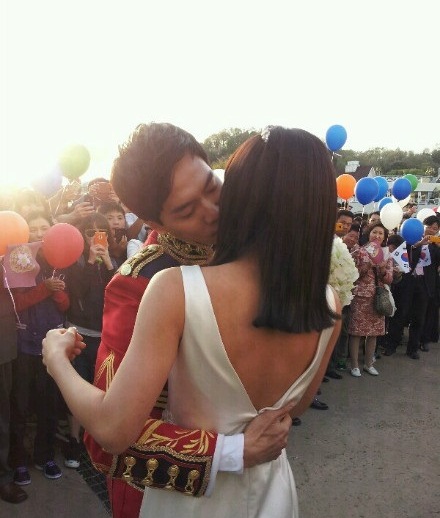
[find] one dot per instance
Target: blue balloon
(383, 202)
(366, 190)
(412, 230)
(401, 188)
(383, 187)
(335, 137)
(48, 184)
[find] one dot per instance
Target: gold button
(125, 269)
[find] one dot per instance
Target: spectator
(39, 308)
(364, 320)
(86, 282)
(115, 215)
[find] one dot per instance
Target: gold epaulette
(135, 263)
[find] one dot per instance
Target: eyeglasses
(90, 232)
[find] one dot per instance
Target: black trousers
(5, 391)
(430, 329)
(32, 383)
(411, 299)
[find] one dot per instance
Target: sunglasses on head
(90, 232)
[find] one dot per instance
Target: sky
(88, 71)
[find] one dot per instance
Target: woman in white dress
(253, 331)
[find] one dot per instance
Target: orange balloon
(345, 184)
(13, 230)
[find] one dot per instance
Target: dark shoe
(424, 348)
(341, 366)
(21, 476)
(325, 379)
(296, 421)
(319, 405)
(389, 352)
(12, 493)
(414, 355)
(50, 470)
(334, 375)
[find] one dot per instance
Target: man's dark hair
(268, 210)
(344, 212)
(142, 174)
(110, 206)
(430, 220)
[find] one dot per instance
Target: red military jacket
(165, 455)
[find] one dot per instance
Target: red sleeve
(28, 298)
(163, 444)
(61, 299)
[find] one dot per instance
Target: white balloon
(402, 203)
(391, 215)
(425, 213)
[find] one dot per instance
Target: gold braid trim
(135, 263)
(185, 253)
(108, 366)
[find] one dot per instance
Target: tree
(220, 146)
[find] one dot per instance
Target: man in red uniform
(162, 175)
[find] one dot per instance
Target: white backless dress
(205, 392)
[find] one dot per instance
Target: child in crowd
(39, 308)
(115, 215)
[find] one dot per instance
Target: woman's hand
(61, 344)
(97, 253)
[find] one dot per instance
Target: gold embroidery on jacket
(108, 366)
(185, 253)
(197, 441)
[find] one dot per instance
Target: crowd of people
(415, 290)
(74, 295)
(161, 210)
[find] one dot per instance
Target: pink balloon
(63, 245)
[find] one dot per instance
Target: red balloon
(13, 230)
(63, 245)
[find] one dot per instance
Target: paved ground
(375, 453)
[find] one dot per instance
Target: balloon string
(10, 293)
(59, 201)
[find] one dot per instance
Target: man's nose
(210, 211)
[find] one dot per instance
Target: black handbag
(383, 301)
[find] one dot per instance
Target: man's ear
(154, 225)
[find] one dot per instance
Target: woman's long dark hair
(278, 203)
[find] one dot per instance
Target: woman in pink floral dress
(364, 320)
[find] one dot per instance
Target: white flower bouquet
(343, 271)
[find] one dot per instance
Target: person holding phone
(86, 282)
(115, 215)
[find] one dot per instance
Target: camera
(119, 234)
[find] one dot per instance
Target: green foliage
(220, 146)
(403, 172)
(386, 162)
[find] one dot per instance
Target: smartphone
(339, 227)
(100, 238)
(434, 239)
(119, 234)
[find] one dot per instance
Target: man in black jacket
(412, 295)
